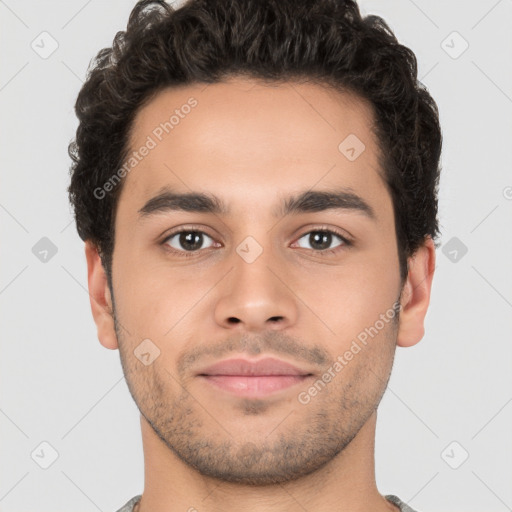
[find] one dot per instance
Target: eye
(321, 240)
(187, 241)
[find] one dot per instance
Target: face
(290, 252)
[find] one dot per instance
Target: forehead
(252, 136)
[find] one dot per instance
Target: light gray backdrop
(444, 438)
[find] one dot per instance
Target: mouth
(255, 379)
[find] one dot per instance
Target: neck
(346, 482)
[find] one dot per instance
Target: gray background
(449, 397)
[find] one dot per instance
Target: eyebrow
(169, 200)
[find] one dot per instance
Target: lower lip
(256, 386)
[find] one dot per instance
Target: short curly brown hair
(322, 41)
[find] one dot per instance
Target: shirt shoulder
(397, 501)
(130, 504)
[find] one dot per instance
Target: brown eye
(321, 240)
(187, 240)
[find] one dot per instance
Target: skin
(252, 145)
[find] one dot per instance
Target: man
(256, 186)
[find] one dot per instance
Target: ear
(100, 298)
(416, 294)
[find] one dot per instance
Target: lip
(263, 367)
(255, 379)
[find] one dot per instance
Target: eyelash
(187, 254)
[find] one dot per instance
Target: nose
(256, 296)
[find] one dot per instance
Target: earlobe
(416, 294)
(100, 298)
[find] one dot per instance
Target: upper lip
(239, 366)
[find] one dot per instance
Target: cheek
(350, 298)
(157, 302)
